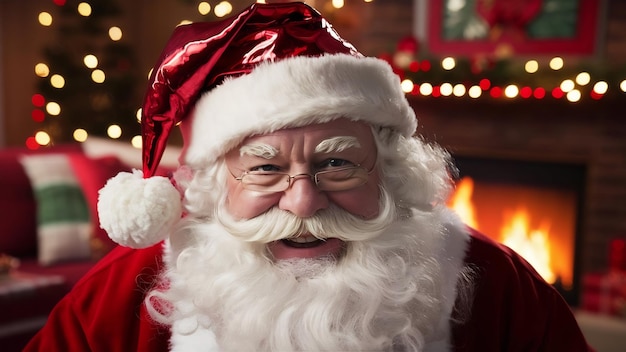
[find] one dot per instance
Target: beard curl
(332, 222)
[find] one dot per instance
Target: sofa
(50, 234)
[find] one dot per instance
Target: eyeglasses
(340, 179)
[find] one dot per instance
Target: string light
(57, 81)
(556, 63)
(583, 78)
(448, 63)
(511, 91)
(115, 33)
(531, 66)
(45, 19)
(53, 108)
(42, 70)
(204, 8)
(475, 87)
(91, 61)
(114, 131)
(84, 9)
(223, 8)
(42, 138)
(136, 142)
(337, 4)
(98, 76)
(458, 90)
(407, 86)
(80, 135)
(475, 92)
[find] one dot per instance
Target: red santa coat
(514, 309)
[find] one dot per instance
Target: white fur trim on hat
(138, 212)
(295, 92)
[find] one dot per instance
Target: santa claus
(305, 215)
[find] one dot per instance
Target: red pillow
(92, 174)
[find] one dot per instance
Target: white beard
(393, 291)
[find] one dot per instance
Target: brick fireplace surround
(592, 134)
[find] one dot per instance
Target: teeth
(303, 239)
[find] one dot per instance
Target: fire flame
(515, 232)
(461, 202)
(533, 245)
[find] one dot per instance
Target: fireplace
(556, 137)
(532, 207)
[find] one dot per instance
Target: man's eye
(265, 168)
(330, 163)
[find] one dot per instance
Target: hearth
(534, 207)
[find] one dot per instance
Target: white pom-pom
(138, 212)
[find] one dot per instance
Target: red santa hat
(270, 67)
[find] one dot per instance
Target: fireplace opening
(533, 207)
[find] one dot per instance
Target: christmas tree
(89, 77)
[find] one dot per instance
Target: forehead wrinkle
(337, 144)
(261, 150)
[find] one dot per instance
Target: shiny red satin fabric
(199, 55)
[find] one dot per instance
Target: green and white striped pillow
(64, 227)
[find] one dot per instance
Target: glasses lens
(342, 179)
(265, 182)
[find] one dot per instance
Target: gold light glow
(84, 9)
(91, 61)
(80, 135)
(574, 95)
(98, 76)
(567, 85)
(531, 66)
(42, 138)
(407, 86)
(448, 63)
(511, 91)
(475, 92)
(223, 8)
(337, 4)
(446, 89)
(45, 19)
(583, 78)
(426, 89)
(114, 131)
(136, 142)
(53, 108)
(115, 33)
(57, 81)
(42, 70)
(556, 63)
(601, 87)
(204, 8)
(458, 90)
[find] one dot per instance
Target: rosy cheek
(362, 202)
(244, 204)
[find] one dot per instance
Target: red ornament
(408, 44)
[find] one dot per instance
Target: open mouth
(303, 242)
(306, 247)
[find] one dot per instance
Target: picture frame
(509, 27)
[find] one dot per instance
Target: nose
(303, 198)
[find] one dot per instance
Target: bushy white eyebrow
(261, 150)
(337, 144)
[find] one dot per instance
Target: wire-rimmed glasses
(338, 179)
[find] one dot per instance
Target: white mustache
(333, 222)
